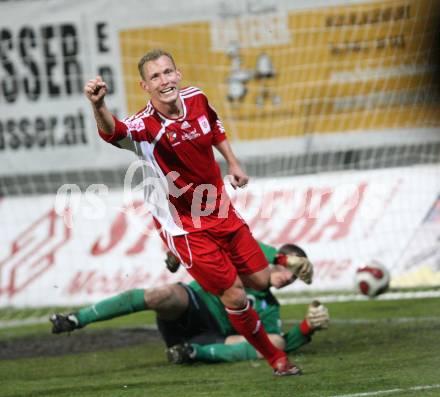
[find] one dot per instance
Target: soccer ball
(372, 279)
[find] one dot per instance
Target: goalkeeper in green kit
(193, 323)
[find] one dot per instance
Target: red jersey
(184, 184)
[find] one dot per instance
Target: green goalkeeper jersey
(264, 303)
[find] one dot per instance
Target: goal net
(333, 106)
(306, 86)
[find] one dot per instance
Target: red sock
(247, 323)
(305, 328)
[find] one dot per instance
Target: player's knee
(234, 297)
(167, 300)
(158, 297)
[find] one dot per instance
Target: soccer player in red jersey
(174, 135)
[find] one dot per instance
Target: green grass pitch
(389, 348)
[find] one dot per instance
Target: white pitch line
(389, 391)
(283, 301)
(45, 319)
(385, 320)
(394, 320)
(24, 321)
(358, 297)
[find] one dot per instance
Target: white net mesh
(303, 90)
(302, 87)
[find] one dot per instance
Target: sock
(219, 352)
(305, 328)
(125, 303)
(295, 338)
(247, 323)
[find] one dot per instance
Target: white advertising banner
(48, 51)
(102, 245)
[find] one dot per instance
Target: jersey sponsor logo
(135, 124)
(204, 124)
(189, 136)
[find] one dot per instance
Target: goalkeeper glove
(300, 266)
(317, 316)
(172, 262)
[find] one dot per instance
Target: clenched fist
(95, 90)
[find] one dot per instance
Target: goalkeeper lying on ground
(194, 324)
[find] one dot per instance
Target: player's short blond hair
(152, 56)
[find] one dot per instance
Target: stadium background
(331, 105)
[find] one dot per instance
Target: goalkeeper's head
(292, 249)
(295, 260)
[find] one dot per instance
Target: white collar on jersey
(164, 118)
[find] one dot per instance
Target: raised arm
(95, 91)
(239, 177)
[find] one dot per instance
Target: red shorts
(216, 255)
